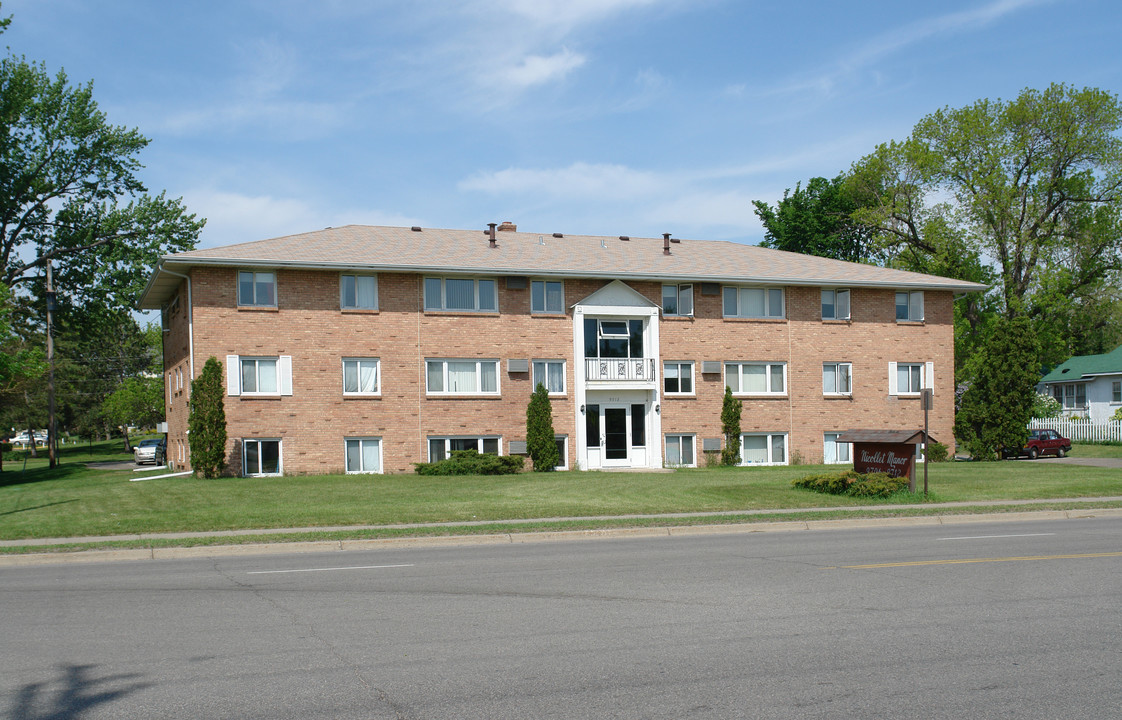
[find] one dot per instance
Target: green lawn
(72, 500)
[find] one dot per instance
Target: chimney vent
(491, 234)
(625, 238)
(416, 228)
(558, 235)
(666, 243)
(508, 226)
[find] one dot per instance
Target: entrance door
(617, 436)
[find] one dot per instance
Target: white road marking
(989, 537)
(357, 567)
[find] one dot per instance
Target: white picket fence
(1081, 430)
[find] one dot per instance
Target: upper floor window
(753, 302)
(358, 292)
(257, 289)
(468, 294)
(677, 299)
(462, 377)
(546, 296)
(613, 338)
(258, 375)
(551, 374)
(910, 378)
(360, 376)
(909, 306)
(835, 304)
(837, 378)
(677, 378)
(756, 378)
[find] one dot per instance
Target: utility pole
(52, 457)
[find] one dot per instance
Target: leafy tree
(206, 421)
(730, 426)
(69, 193)
(818, 220)
(997, 405)
(1035, 184)
(541, 444)
(138, 401)
(18, 362)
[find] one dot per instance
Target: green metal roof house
(1087, 385)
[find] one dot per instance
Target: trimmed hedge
(471, 462)
(852, 483)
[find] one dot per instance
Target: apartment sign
(893, 459)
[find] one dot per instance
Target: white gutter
(190, 317)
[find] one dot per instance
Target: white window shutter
(929, 381)
(284, 374)
(233, 375)
(892, 379)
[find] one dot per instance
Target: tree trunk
(125, 432)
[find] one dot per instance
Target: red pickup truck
(1044, 442)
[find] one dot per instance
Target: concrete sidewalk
(1085, 507)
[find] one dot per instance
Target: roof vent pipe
(666, 243)
(491, 234)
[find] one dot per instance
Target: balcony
(615, 370)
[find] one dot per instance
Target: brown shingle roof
(540, 254)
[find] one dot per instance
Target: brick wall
(308, 325)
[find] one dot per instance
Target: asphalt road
(1004, 620)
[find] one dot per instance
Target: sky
(601, 117)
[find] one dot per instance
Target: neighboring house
(1087, 385)
(367, 349)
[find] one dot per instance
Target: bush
(470, 462)
(938, 452)
(852, 483)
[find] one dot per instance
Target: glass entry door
(616, 440)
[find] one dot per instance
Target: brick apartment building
(366, 349)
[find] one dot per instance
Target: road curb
(326, 546)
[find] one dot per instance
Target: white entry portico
(615, 341)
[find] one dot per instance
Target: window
(257, 289)
(910, 378)
(364, 455)
(546, 296)
(679, 451)
(562, 452)
(834, 452)
(442, 447)
(677, 378)
(613, 338)
(763, 449)
(1072, 395)
(550, 373)
(835, 304)
(753, 302)
(677, 299)
(909, 306)
(1116, 391)
(756, 378)
(468, 294)
(837, 379)
(462, 377)
(258, 375)
(358, 292)
(360, 376)
(261, 457)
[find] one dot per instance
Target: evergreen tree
(206, 421)
(730, 426)
(540, 442)
(997, 406)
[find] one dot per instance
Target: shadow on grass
(73, 693)
(39, 474)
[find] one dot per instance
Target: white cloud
(537, 70)
(236, 218)
(577, 181)
(566, 14)
(898, 39)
